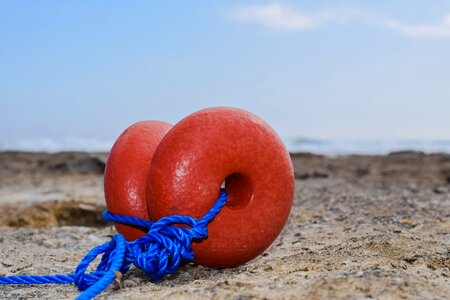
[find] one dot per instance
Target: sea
(332, 147)
(329, 147)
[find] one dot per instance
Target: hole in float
(239, 189)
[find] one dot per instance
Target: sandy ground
(361, 227)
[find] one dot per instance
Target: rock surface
(361, 227)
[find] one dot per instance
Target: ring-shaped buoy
(232, 146)
(127, 169)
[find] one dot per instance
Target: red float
(204, 150)
(127, 170)
(216, 145)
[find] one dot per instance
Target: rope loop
(158, 253)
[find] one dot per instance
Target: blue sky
(80, 72)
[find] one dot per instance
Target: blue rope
(158, 253)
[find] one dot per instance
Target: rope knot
(163, 248)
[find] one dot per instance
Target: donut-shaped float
(127, 170)
(228, 145)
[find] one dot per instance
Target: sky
(75, 74)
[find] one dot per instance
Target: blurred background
(331, 77)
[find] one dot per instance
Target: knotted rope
(158, 253)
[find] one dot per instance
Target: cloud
(282, 17)
(276, 16)
(439, 30)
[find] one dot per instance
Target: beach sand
(361, 227)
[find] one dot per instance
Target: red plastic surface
(127, 169)
(216, 145)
